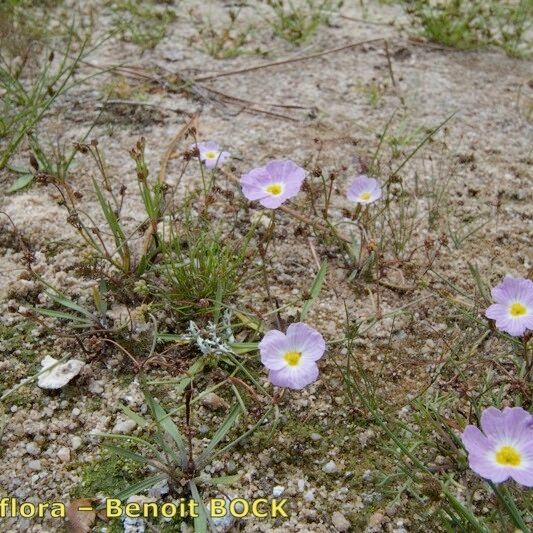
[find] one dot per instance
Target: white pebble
(64, 454)
(309, 496)
(32, 448)
(124, 426)
(277, 491)
(330, 468)
(34, 465)
(340, 522)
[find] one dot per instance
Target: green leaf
(138, 419)
(60, 314)
(244, 347)
(20, 183)
(127, 454)
(200, 522)
(221, 480)
(67, 302)
(140, 486)
(220, 434)
(172, 337)
(507, 499)
(249, 322)
(166, 424)
(3, 420)
(315, 289)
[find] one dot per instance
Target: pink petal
(272, 349)
(484, 467)
(294, 377)
(474, 441)
(306, 339)
(524, 476)
(508, 426)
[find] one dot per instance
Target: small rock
(133, 525)
(367, 475)
(63, 454)
(35, 465)
(75, 442)
(54, 375)
(376, 519)
(309, 496)
(214, 402)
(32, 448)
(330, 468)
(231, 467)
(225, 523)
(159, 490)
(315, 436)
(124, 427)
(340, 521)
(277, 491)
(96, 387)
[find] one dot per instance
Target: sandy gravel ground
(485, 151)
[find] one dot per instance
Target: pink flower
(210, 154)
(364, 190)
(513, 310)
(274, 183)
(505, 447)
(291, 358)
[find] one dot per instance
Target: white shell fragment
(59, 375)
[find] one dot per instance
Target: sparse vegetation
(468, 24)
(291, 283)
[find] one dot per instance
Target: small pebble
(213, 402)
(32, 448)
(64, 454)
(340, 522)
(124, 427)
(277, 491)
(330, 468)
(35, 465)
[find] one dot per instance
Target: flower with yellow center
(504, 448)
(210, 154)
(273, 184)
(363, 190)
(513, 307)
(517, 309)
(508, 456)
(275, 189)
(291, 358)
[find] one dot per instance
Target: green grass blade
(219, 434)
(141, 486)
(315, 289)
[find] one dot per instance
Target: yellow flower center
(211, 155)
(517, 309)
(292, 358)
(508, 456)
(365, 196)
(274, 188)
